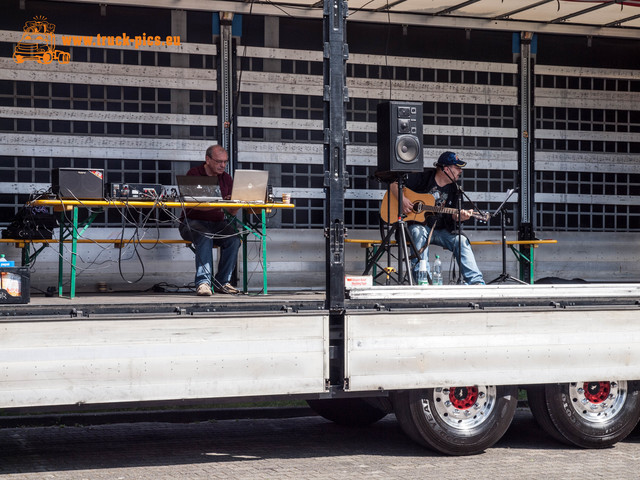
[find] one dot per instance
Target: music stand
(399, 227)
(504, 276)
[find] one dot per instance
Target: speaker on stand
(400, 152)
(400, 137)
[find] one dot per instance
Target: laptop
(250, 186)
(194, 188)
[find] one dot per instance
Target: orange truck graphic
(38, 43)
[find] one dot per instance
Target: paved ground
(295, 448)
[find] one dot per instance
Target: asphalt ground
(307, 447)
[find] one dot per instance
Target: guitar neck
(433, 209)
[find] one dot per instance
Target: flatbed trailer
(448, 361)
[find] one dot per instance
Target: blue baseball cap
(450, 158)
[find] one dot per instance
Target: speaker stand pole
(400, 227)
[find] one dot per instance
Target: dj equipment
(400, 137)
(78, 183)
(31, 223)
(138, 191)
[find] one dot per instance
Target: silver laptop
(250, 186)
(195, 188)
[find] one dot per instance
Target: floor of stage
(169, 302)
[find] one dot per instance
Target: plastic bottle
(423, 277)
(436, 273)
(4, 262)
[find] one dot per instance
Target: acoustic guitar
(423, 205)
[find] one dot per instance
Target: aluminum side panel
(103, 361)
(414, 350)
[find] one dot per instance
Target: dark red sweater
(215, 214)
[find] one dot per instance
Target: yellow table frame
(73, 205)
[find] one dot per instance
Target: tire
(351, 412)
(64, 58)
(538, 406)
(456, 420)
(594, 414)
(46, 58)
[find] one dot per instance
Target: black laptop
(194, 188)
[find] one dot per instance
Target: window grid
(587, 217)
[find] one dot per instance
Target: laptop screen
(198, 187)
(250, 186)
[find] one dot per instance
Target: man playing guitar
(435, 213)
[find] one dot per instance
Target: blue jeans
(204, 235)
(420, 233)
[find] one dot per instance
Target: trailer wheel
(463, 420)
(538, 405)
(594, 414)
(350, 412)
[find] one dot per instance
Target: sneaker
(204, 290)
(226, 288)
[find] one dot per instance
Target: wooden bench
(371, 247)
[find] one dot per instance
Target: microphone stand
(504, 276)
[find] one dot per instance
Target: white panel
(573, 98)
(439, 63)
(418, 350)
(104, 116)
(432, 91)
(117, 360)
(586, 72)
(587, 161)
(34, 145)
(293, 84)
(371, 127)
(109, 74)
(586, 135)
(280, 53)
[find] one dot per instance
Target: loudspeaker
(78, 183)
(400, 137)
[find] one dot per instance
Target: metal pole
(527, 181)
(335, 138)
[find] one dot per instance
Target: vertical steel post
(226, 88)
(525, 164)
(335, 97)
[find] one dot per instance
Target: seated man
(441, 184)
(206, 227)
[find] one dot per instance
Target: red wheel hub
(463, 398)
(597, 392)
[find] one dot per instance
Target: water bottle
(423, 276)
(436, 274)
(4, 262)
